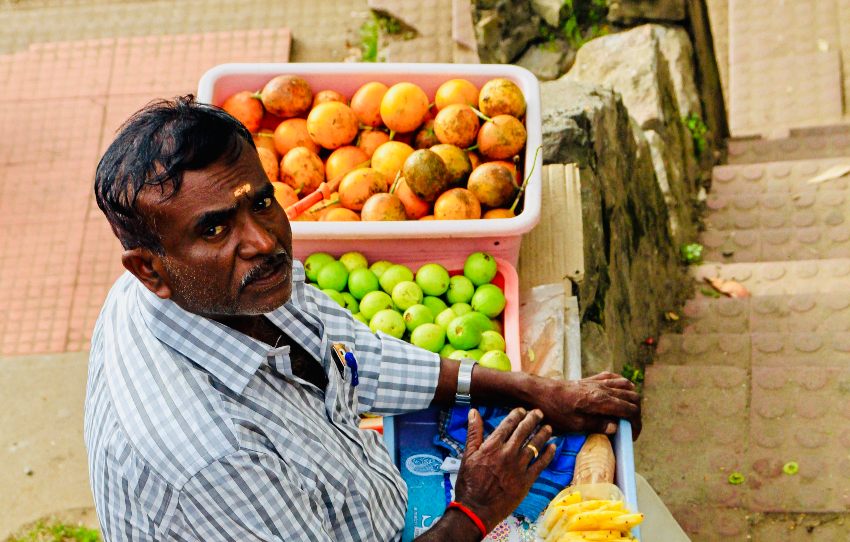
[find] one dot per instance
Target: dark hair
(155, 147)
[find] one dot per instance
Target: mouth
(271, 277)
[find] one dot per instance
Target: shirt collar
(230, 356)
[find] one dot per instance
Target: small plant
(635, 374)
(692, 253)
(371, 30)
(58, 532)
(698, 130)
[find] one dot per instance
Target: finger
(538, 441)
(604, 375)
(508, 426)
(546, 457)
(620, 382)
(628, 395)
(606, 426)
(474, 431)
(613, 407)
(525, 429)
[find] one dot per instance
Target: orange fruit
(340, 214)
(270, 164)
(390, 157)
(265, 139)
(284, 194)
(511, 166)
(366, 103)
(428, 217)
(328, 96)
(383, 207)
(426, 137)
(457, 204)
(332, 125)
(474, 158)
(325, 206)
(287, 96)
(414, 207)
(493, 184)
(404, 107)
(246, 108)
(293, 133)
(457, 163)
(343, 160)
(359, 185)
(456, 124)
(426, 174)
(303, 170)
(369, 140)
(456, 91)
(501, 97)
(501, 137)
(499, 213)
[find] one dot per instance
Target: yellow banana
(623, 522)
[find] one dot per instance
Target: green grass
(583, 20)
(58, 532)
(698, 130)
(370, 34)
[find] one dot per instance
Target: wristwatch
(464, 381)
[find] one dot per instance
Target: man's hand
(590, 405)
(496, 474)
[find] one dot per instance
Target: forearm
(454, 526)
(489, 386)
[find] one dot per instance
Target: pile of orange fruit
(390, 152)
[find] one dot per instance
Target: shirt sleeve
(247, 496)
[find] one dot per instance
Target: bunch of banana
(571, 519)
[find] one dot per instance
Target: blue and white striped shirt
(198, 432)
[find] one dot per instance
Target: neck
(257, 327)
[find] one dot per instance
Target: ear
(147, 267)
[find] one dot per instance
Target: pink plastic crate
(411, 239)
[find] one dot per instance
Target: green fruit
(480, 268)
(492, 340)
(462, 308)
(436, 304)
(458, 354)
(351, 303)
(334, 276)
(406, 293)
(354, 260)
(444, 318)
(489, 299)
(429, 336)
(336, 296)
(497, 325)
(314, 263)
(483, 323)
(373, 302)
(360, 318)
(447, 350)
(495, 359)
(379, 267)
(433, 279)
(361, 282)
(393, 275)
(389, 322)
(460, 289)
(417, 315)
(475, 353)
(463, 335)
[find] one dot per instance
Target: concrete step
(830, 142)
(757, 349)
(749, 211)
(768, 314)
(783, 277)
(772, 244)
(782, 177)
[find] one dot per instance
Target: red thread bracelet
(471, 515)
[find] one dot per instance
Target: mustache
(271, 262)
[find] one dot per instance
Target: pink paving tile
(710, 524)
(49, 192)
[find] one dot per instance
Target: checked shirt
(197, 432)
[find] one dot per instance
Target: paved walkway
(759, 385)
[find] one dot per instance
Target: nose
(256, 240)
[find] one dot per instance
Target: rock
(675, 46)
(631, 261)
(549, 10)
(628, 11)
(548, 60)
(503, 29)
(632, 63)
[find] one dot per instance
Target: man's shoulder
(168, 410)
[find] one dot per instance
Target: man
(215, 410)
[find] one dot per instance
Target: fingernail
(610, 428)
(521, 411)
(537, 412)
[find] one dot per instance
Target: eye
(264, 203)
(214, 231)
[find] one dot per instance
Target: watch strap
(464, 381)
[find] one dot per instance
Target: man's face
(228, 244)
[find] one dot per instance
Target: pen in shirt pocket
(345, 358)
